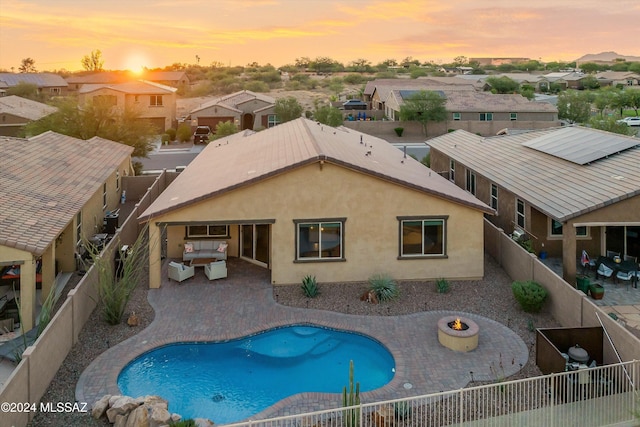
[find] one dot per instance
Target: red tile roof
(46, 180)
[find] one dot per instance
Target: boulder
(122, 406)
(159, 416)
(203, 422)
(139, 417)
(175, 418)
(100, 407)
(121, 421)
(153, 401)
(113, 399)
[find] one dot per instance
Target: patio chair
(612, 254)
(179, 272)
(216, 270)
(586, 262)
(604, 271)
(628, 276)
(631, 258)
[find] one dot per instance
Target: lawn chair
(179, 272)
(604, 271)
(586, 262)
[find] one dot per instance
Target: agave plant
(384, 287)
(310, 286)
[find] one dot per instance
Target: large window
(494, 196)
(155, 100)
(520, 215)
(208, 230)
(471, 181)
(423, 237)
(319, 239)
(272, 120)
(486, 117)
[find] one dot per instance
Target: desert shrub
(184, 423)
(384, 287)
(172, 134)
(165, 138)
(530, 295)
(184, 132)
(398, 131)
(225, 129)
(257, 86)
(310, 286)
(442, 286)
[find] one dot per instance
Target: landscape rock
(121, 421)
(159, 416)
(100, 407)
(203, 422)
(113, 399)
(175, 418)
(139, 417)
(122, 406)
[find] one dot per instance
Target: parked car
(201, 134)
(630, 121)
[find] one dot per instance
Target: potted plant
(597, 291)
(582, 282)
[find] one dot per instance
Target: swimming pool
(233, 380)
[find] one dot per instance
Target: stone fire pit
(458, 340)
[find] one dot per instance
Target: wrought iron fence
(587, 397)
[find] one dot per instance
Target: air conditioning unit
(517, 234)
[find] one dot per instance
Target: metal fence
(587, 397)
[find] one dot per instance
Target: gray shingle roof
(46, 180)
(558, 188)
(38, 79)
(242, 159)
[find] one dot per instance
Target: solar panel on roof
(581, 146)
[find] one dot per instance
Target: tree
(590, 82)
(631, 98)
(328, 115)
(25, 90)
(574, 106)
(98, 119)
(360, 65)
(503, 84)
(424, 106)
(610, 124)
(605, 98)
(459, 61)
(28, 65)
(287, 109)
(93, 61)
(589, 67)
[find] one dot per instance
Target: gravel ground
(490, 297)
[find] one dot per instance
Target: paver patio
(243, 304)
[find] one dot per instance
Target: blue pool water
(233, 380)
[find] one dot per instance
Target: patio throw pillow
(222, 247)
(188, 247)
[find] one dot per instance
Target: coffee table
(201, 262)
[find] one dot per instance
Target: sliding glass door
(254, 241)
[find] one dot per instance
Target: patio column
(28, 295)
(155, 261)
(48, 272)
(569, 253)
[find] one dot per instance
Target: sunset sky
(155, 33)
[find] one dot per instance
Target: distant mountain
(606, 57)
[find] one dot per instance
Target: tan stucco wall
(371, 229)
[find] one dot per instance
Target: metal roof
(556, 187)
(581, 146)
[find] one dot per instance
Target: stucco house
(170, 78)
(569, 189)
(48, 84)
(56, 191)
(248, 110)
(481, 112)
(153, 101)
(304, 198)
(615, 78)
(16, 112)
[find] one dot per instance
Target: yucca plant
(442, 286)
(310, 286)
(384, 287)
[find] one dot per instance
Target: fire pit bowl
(465, 339)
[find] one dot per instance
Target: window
(513, 116)
(456, 116)
(555, 229)
(471, 181)
(452, 170)
(117, 181)
(319, 240)
(79, 227)
(272, 120)
(520, 213)
(104, 195)
(54, 90)
(494, 196)
(486, 117)
(155, 100)
(221, 230)
(422, 237)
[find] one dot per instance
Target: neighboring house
(615, 78)
(248, 110)
(569, 189)
(498, 61)
(16, 112)
(56, 191)
(303, 199)
(154, 102)
(481, 112)
(169, 78)
(48, 84)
